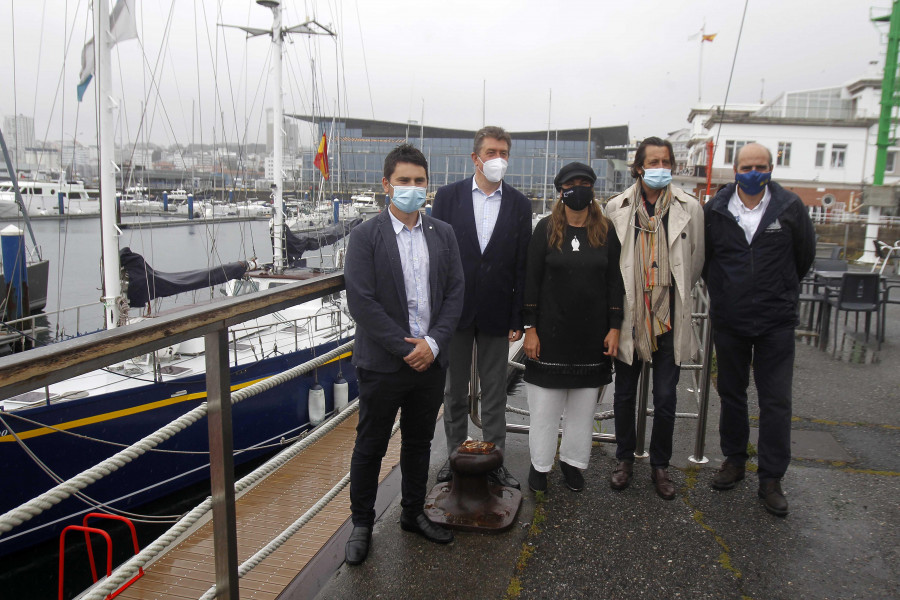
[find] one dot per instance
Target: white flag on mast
(122, 26)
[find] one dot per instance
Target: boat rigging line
(737, 45)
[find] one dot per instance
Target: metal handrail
(51, 364)
(700, 371)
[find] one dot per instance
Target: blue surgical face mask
(753, 182)
(408, 198)
(657, 179)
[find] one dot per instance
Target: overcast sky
(613, 62)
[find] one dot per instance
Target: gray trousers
(493, 356)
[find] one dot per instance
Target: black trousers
(772, 358)
(665, 375)
(418, 396)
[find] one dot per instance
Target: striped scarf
(652, 276)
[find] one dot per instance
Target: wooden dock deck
(187, 570)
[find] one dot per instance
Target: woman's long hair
(597, 225)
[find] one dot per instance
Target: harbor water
(73, 248)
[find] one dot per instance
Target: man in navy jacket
(492, 222)
(760, 243)
(405, 292)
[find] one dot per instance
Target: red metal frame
(87, 538)
(709, 166)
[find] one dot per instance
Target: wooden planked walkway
(188, 569)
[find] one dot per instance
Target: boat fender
(316, 404)
(341, 394)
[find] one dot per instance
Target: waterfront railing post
(705, 379)
(474, 385)
(221, 464)
(643, 393)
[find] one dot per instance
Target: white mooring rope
(57, 494)
(129, 568)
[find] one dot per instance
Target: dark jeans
(418, 396)
(665, 380)
(772, 358)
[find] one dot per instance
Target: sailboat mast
(112, 287)
(277, 41)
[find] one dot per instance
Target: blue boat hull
(127, 416)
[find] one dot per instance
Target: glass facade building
(357, 148)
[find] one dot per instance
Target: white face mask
(494, 169)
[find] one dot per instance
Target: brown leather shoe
(622, 475)
(665, 489)
(727, 476)
(773, 498)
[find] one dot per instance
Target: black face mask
(578, 197)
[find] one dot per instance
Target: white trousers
(576, 407)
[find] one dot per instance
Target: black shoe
(500, 476)
(428, 530)
(572, 476)
(773, 498)
(357, 548)
(728, 475)
(622, 475)
(445, 474)
(537, 481)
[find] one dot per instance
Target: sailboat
(52, 434)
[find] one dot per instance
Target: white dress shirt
(486, 208)
(414, 261)
(748, 218)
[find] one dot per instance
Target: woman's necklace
(575, 243)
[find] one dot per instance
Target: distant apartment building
(77, 159)
(290, 136)
(293, 168)
(18, 131)
(822, 142)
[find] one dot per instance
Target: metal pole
(547, 151)
(221, 464)
(643, 392)
(474, 385)
(112, 288)
(278, 218)
(703, 409)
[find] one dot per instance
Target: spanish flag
(322, 157)
(708, 38)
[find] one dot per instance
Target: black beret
(571, 171)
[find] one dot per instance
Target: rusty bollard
(469, 502)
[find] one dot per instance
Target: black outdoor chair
(886, 299)
(859, 292)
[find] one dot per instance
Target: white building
(679, 140)
(822, 141)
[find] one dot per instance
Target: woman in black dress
(573, 312)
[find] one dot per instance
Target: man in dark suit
(405, 291)
(492, 222)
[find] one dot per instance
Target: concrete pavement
(840, 540)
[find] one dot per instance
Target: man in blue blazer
(492, 222)
(405, 291)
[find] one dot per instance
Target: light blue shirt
(415, 263)
(486, 207)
